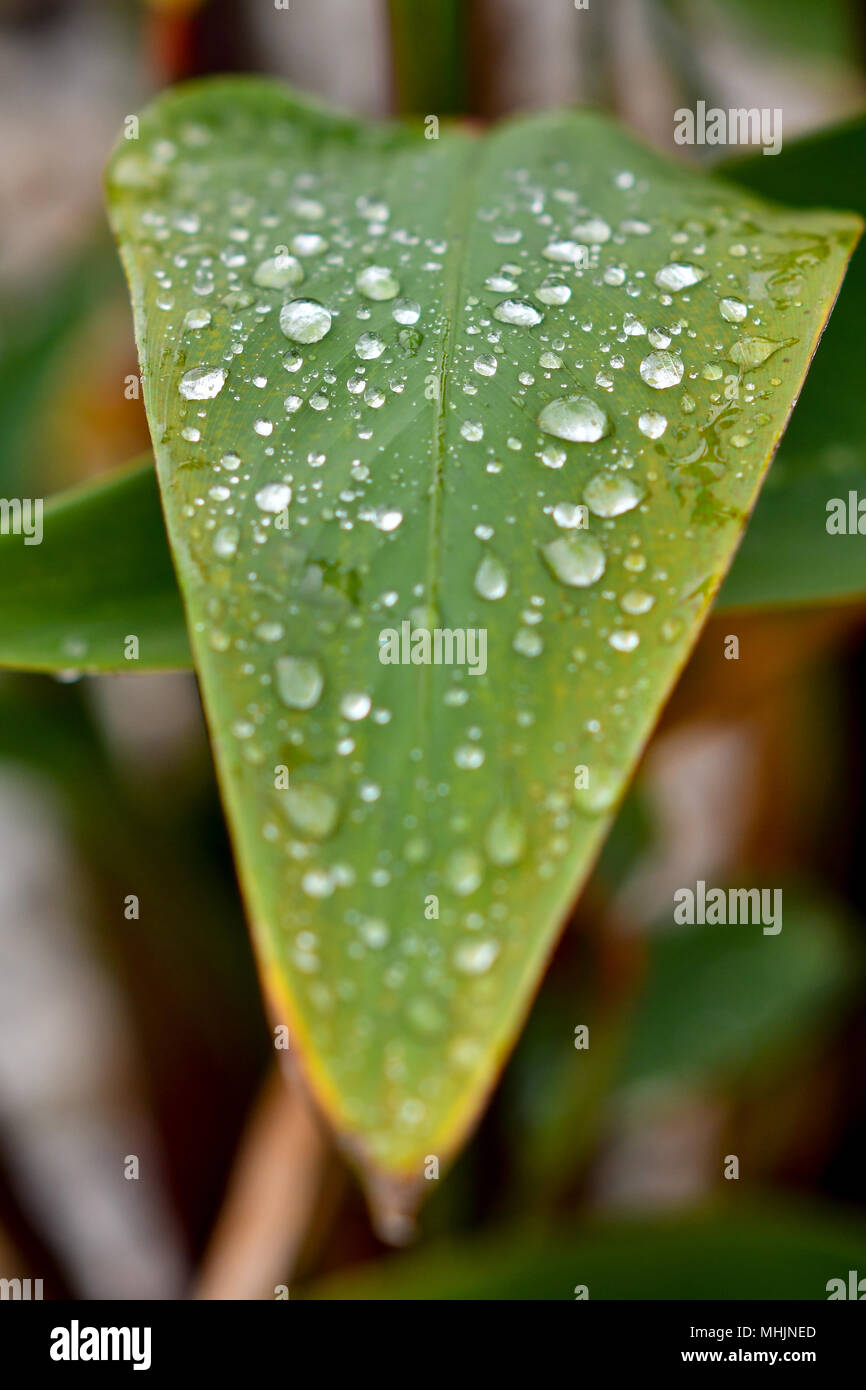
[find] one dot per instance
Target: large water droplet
(305, 320)
(577, 418)
(661, 370)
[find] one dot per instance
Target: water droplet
(519, 312)
(661, 370)
(595, 231)
(678, 275)
(406, 311)
(624, 641)
(485, 364)
(569, 515)
(652, 424)
(528, 642)
(553, 292)
(491, 578)
(305, 320)
(600, 795)
(475, 957)
(299, 681)
(751, 352)
(279, 272)
(469, 756)
(611, 494)
(273, 497)
(505, 840)
(312, 810)
(202, 383)
(734, 310)
(377, 282)
(576, 418)
(464, 871)
(369, 346)
(577, 560)
(636, 601)
(355, 705)
(225, 542)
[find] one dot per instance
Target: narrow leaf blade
(406, 889)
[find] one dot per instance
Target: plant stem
(429, 46)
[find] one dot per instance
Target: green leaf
(101, 574)
(783, 1252)
(425, 492)
(719, 1000)
(787, 555)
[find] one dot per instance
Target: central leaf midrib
(451, 299)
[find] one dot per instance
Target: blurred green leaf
(787, 555)
(101, 574)
(720, 999)
(422, 491)
(747, 1252)
(35, 331)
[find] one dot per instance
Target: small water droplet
(377, 282)
(491, 578)
(611, 494)
(652, 424)
(505, 840)
(202, 383)
(279, 272)
(678, 276)
(299, 681)
(519, 312)
(576, 560)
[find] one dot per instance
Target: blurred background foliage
(146, 1036)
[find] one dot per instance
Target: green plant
(384, 374)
